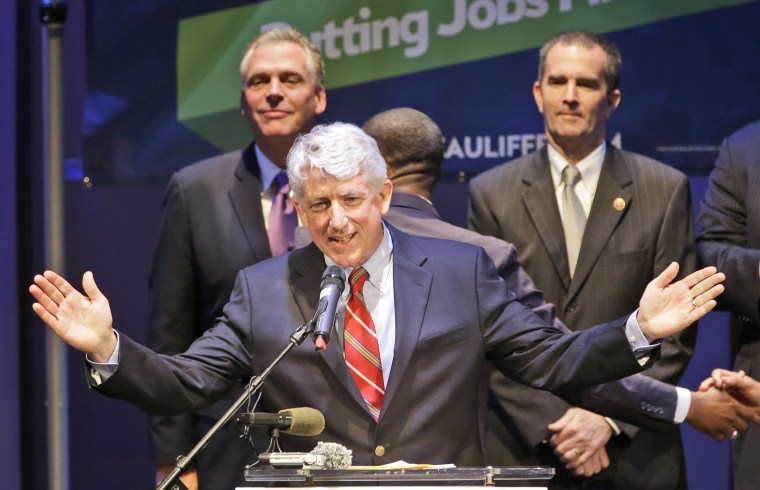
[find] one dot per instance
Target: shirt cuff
(682, 404)
(641, 348)
(101, 371)
(613, 426)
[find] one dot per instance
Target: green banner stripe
(378, 39)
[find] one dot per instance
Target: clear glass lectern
(480, 476)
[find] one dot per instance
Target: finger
(43, 300)
(59, 282)
(572, 460)
(698, 299)
(697, 313)
(48, 289)
(567, 446)
(666, 276)
(569, 456)
(564, 440)
(46, 317)
(90, 288)
(707, 384)
(584, 470)
(721, 376)
(698, 276)
(746, 414)
(605, 459)
(707, 283)
(560, 423)
(596, 465)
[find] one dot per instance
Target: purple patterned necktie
(282, 217)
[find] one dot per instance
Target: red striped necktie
(361, 347)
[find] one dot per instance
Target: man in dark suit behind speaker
(217, 220)
(592, 224)
(728, 236)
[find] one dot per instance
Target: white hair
(340, 150)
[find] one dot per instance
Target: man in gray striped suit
(728, 235)
(591, 243)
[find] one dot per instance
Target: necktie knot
(282, 185)
(282, 217)
(570, 176)
(357, 278)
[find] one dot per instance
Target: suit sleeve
(637, 399)
(173, 323)
(722, 233)
(168, 385)
(532, 351)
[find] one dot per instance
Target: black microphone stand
(183, 462)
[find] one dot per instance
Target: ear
(321, 98)
(538, 96)
(242, 103)
(385, 196)
(613, 100)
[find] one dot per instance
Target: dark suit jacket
(622, 250)
(212, 226)
(452, 313)
(728, 236)
(416, 216)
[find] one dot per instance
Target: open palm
(667, 308)
(83, 322)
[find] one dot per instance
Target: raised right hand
(83, 322)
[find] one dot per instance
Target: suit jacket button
(571, 308)
(379, 451)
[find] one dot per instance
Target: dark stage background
(689, 79)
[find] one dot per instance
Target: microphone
(332, 286)
(301, 421)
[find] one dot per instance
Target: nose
(274, 91)
(338, 219)
(571, 95)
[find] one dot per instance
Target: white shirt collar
(590, 167)
(378, 265)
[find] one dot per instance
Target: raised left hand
(668, 307)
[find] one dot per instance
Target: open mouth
(344, 239)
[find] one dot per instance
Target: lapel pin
(618, 204)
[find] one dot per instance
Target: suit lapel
(305, 272)
(606, 212)
(411, 289)
(246, 203)
(411, 285)
(538, 197)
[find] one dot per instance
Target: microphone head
(305, 421)
(336, 456)
(333, 275)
